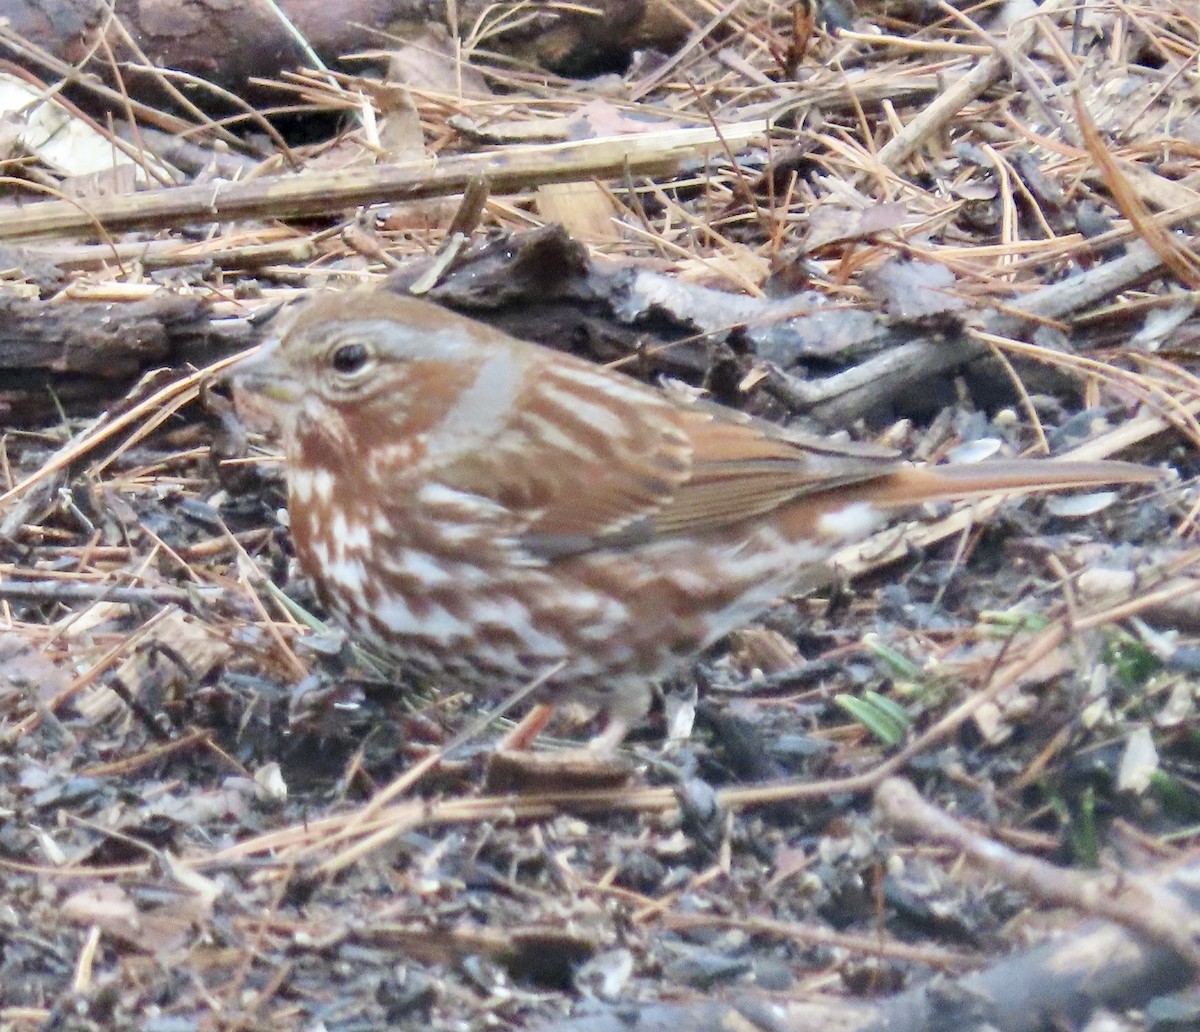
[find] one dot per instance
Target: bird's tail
(850, 513)
(914, 485)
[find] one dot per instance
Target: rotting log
(230, 45)
(80, 355)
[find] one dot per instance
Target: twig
(71, 591)
(315, 193)
(939, 113)
(1155, 914)
(838, 398)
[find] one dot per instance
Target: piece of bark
(542, 286)
(222, 42)
(96, 338)
(835, 365)
(82, 354)
(230, 44)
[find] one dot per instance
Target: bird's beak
(264, 376)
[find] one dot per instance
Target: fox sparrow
(488, 510)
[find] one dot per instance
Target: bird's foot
(596, 765)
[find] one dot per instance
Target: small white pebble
(1079, 505)
(975, 451)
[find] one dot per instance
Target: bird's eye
(350, 358)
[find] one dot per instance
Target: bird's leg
(532, 724)
(626, 706)
(596, 765)
(604, 746)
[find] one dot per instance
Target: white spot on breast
(322, 484)
(347, 574)
(461, 517)
(438, 623)
(337, 529)
(852, 523)
(385, 460)
(596, 617)
(507, 612)
(321, 553)
(409, 562)
(358, 538)
(498, 657)
(302, 486)
(349, 537)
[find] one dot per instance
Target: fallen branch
(840, 399)
(1099, 966)
(316, 193)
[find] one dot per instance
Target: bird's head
(350, 373)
